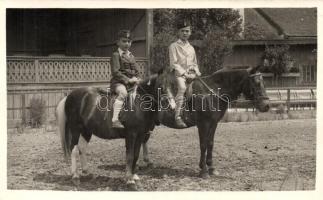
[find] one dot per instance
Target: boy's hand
(134, 80)
(131, 80)
(189, 76)
(194, 69)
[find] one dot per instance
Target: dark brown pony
(84, 112)
(208, 101)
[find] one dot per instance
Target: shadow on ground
(87, 182)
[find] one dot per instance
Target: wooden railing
(61, 69)
(294, 98)
(50, 79)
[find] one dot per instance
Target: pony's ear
(253, 70)
(160, 71)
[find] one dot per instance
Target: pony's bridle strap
(256, 74)
(210, 89)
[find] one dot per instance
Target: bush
(37, 112)
(244, 117)
(294, 70)
(280, 109)
(276, 59)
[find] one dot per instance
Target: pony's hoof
(135, 177)
(131, 185)
(204, 175)
(76, 181)
(149, 164)
(213, 172)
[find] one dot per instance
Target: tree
(254, 32)
(212, 28)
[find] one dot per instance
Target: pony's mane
(225, 71)
(229, 78)
(147, 84)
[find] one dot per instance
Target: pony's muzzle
(263, 105)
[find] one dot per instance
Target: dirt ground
(249, 156)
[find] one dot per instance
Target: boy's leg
(181, 84)
(117, 106)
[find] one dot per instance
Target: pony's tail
(61, 122)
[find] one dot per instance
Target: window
(309, 74)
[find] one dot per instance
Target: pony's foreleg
(130, 151)
(139, 140)
(203, 129)
(209, 155)
(82, 145)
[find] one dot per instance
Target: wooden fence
(291, 97)
(50, 79)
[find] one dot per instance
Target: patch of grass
(37, 112)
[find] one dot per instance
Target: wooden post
(37, 71)
(288, 100)
(149, 37)
(23, 109)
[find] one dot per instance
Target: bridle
(259, 97)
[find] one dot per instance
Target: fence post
(37, 71)
(23, 109)
(288, 100)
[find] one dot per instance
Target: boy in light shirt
(184, 64)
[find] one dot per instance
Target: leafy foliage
(215, 46)
(254, 32)
(211, 28)
(276, 59)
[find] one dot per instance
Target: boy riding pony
(125, 73)
(184, 64)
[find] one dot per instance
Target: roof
(297, 22)
(282, 23)
(298, 41)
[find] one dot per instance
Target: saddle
(107, 100)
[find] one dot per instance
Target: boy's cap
(124, 34)
(183, 23)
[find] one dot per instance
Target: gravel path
(265, 155)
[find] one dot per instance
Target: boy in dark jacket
(125, 73)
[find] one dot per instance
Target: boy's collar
(122, 51)
(182, 42)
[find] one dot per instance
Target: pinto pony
(84, 112)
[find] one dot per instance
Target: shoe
(117, 124)
(180, 123)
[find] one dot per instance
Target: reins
(209, 88)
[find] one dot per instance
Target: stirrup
(117, 124)
(180, 123)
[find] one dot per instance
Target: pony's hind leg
(145, 153)
(82, 146)
(75, 152)
(75, 175)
